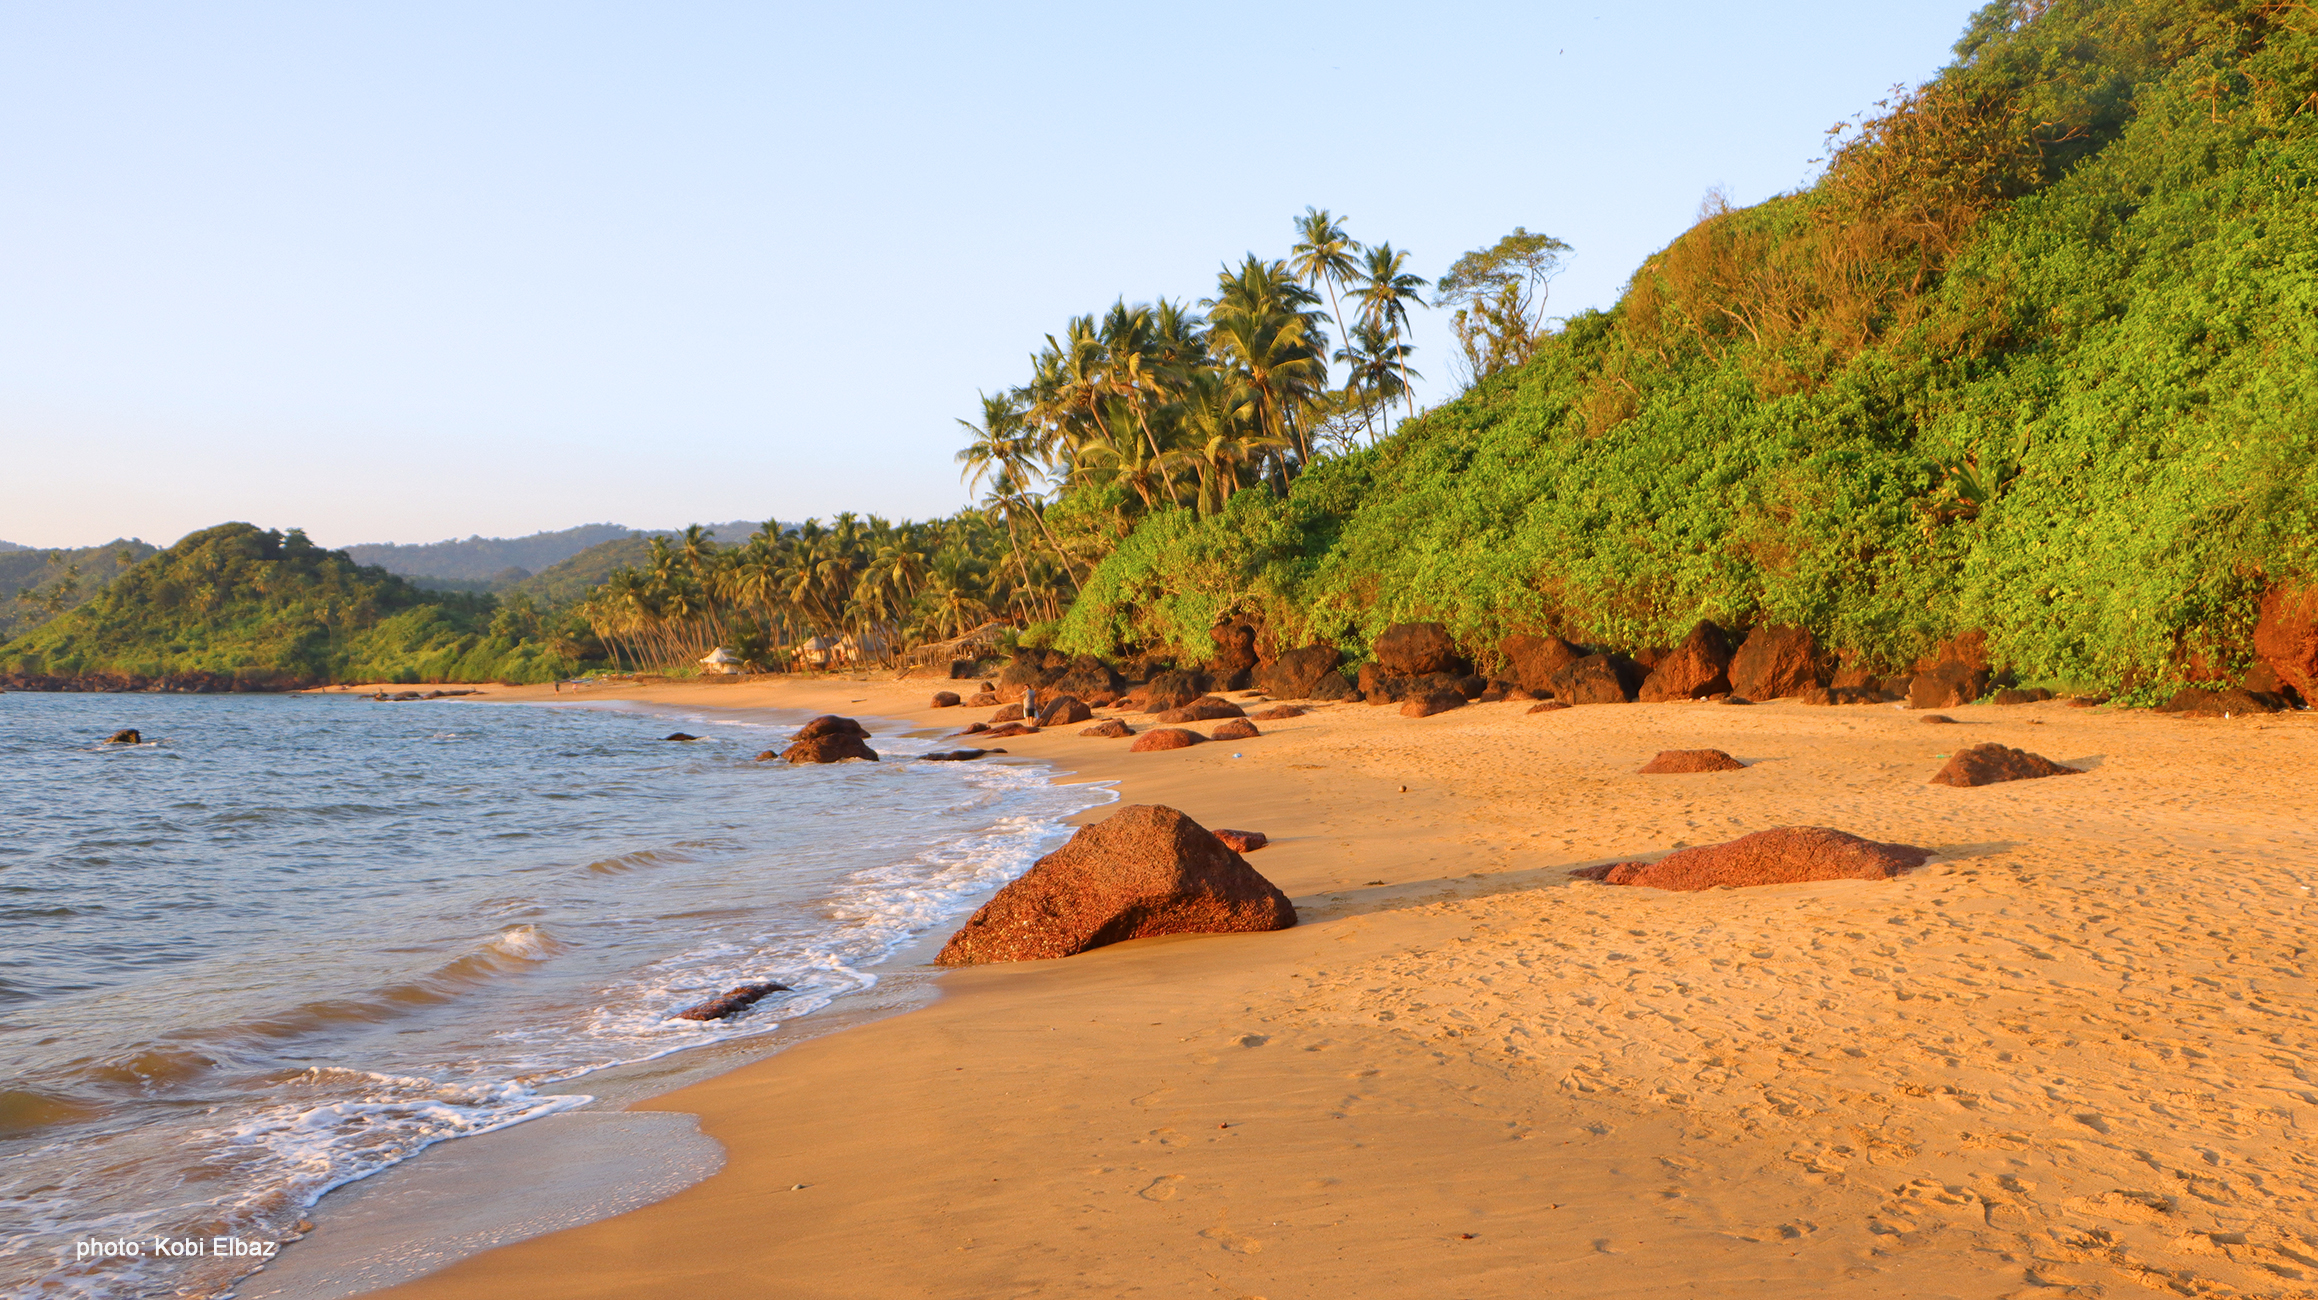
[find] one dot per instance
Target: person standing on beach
(1030, 704)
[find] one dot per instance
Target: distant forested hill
(37, 585)
(236, 607)
(481, 557)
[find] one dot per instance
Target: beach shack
(815, 652)
(720, 661)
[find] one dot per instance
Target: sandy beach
(2071, 1055)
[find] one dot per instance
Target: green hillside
(37, 585)
(2037, 356)
(237, 607)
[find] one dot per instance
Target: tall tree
(1386, 289)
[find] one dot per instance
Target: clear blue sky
(405, 272)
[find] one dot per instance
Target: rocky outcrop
(1063, 711)
(673, 735)
(1235, 729)
(1693, 670)
(2286, 637)
(982, 700)
(1775, 662)
(828, 747)
(1308, 673)
(1788, 855)
(1029, 670)
(947, 699)
(1003, 730)
(1109, 729)
(731, 1002)
(1235, 655)
(1415, 649)
(1946, 685)
(1841, 695)
(829, 724)
(1991, 763)
(1277, 712)
(126, 736)
(2229, 702)
(1145, 870)
(1158, 738)
(1532, 661)
(1204, 709)
(1087, 677)
(1009, 713)
(1598, 679)
(1242, 841)
(1173, 690)
(1432, 702)
(1379, 685)
(1677, 761)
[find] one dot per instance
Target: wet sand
(2073, 1051)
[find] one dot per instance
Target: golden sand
(2074, 1050)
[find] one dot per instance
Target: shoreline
(2022, 1063)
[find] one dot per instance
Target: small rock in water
(953, 755)
(679, 735)
(731, 1003)
(127, 736)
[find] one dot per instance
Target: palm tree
(1384, 293)
(1376, 367)
(1259, 322)
(1323, 252)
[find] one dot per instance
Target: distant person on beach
(1030, 702)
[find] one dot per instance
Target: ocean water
(289, 941)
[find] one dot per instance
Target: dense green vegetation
(2038, 355)
(239, 607)
(37, 585)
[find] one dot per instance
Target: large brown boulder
(1991, 763)
(1303, 674)
(982, 699)
(2286, 637)
(2229, 702)
(1697, 668)
(829, 724)
(1203, 710)
(1063, 710)
(1009, 713)
(828, 747)
(1088, 677)
(1235, 729)
(1788, 855)
(1946, 685)
(1415, 649)
(1005, 729)
(1379, 685)
(1235, 655)
(1145, 870)
(1164, 738)
(1775, 662)
(947, 699)
(1425, 706)
(1109, 729)
(1598, 679)
(1676, 761)
(1173, 690)
(1533, 660)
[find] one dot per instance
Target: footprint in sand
(1222, 1235)
(1162, 1188)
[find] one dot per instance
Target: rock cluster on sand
(1697, 668)
(1991, 763)
(1235, 729)
(1207, 708)
(829, 739)
(1242, 841)
(2190, 701)
(947, 699)
(1417, 649)
(1235, 655)
(731, 1003)
(1308, 673)
(1432, 702)
(1144, 870)
(1788, 855)
(1674, 761)
(1109, 728)
(1164, 738)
